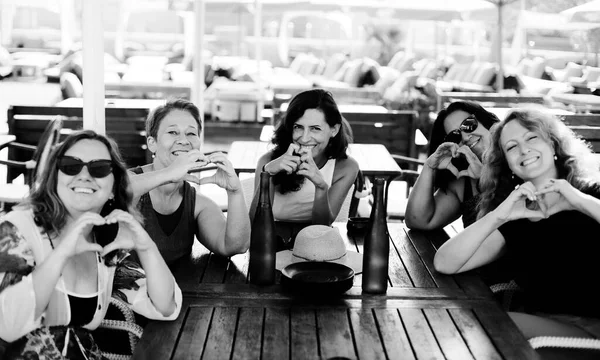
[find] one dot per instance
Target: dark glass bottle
(377, 245)
(262, 237)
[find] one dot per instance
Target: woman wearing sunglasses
(445, 190)
(60, 250)
(540, 204)
(174, 210)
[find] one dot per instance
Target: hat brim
(352, 259)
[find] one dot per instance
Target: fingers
(466, 151)
(292, 148)
(92, 247)
(111, 247)
(450, 167)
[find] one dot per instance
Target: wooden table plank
(335, 335)
(215, 269)
(421, 337)
(426, 253)
(248, 335)
(159, 339)
(304, 343)
(393, 336)
(448, 337)
(366, 334)
(195, 330)
(474, 335)
(220, 339)
(276, 334)
(417, 271)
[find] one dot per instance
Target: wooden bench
(125, 126)
(587, 126)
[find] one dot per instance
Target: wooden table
(424, 315)
(373, 159)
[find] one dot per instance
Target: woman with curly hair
(540, 203)
(60, 250)
(311, 172)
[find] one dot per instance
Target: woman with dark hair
(58, 266)
(174, 210)
(540, 204)
(311, 172)
(447, 185)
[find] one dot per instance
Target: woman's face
(312, 132)
(177, 133)
(82, 192)
(478, 140)
(527, 153)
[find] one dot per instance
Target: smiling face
(478, 140)
(528, 154)
(82, 192)
(177, 133)
(312, 132)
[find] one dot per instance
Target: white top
(297, 205)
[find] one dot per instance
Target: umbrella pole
(500, 75)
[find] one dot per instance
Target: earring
(512, 176)
(153, 155)
(555, 157)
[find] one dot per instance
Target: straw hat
(319, 243)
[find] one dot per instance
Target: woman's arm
(475, 246)
(222, 235)
(482, 243)
(160, 283)
(426, 210)
(328, 199)
(177, 171)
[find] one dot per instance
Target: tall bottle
(377, 245)
(262, 237)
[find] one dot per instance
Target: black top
(82, 309)
(555, 261)
(173, 233)
(468, 207)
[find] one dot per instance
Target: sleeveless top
(297, 205)
(468, 207)
(179, 242)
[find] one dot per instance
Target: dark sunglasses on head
(467, 126)
(97, 168)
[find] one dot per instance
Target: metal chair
(13, 193)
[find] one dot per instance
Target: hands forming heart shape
(551, 197)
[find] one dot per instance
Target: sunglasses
(467, 126)
(97, 168)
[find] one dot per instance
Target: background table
(423, 315)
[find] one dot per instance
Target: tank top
(468, 207)
(297, 205)
(177, 243)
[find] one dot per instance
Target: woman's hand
(475, 165)
(72, 240)
(225, 175)
(522, 203)
(185, 162)
(568, 196)
(131, 234)
(442, 157)
(287, 162)
(308, 168)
